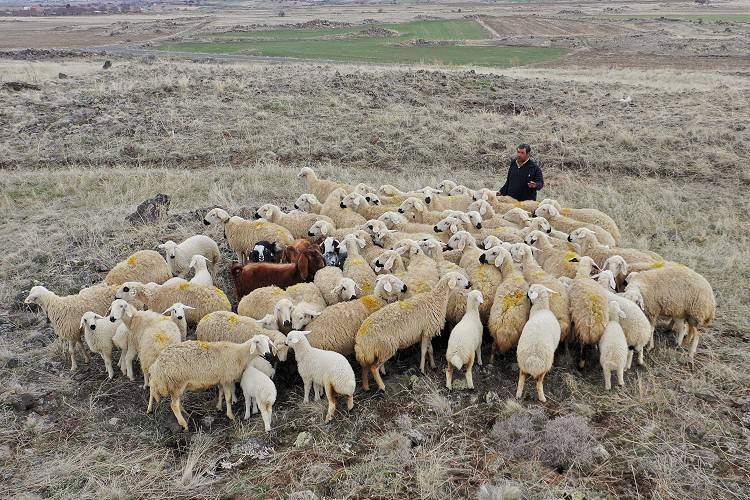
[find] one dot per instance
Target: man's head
(523, 152)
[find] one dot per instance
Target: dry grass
(669, 169)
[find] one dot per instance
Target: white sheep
(590, 215)
(421, 273)
(179, 256)
(258, 389)
(303, 313)
(298, 223)
(613, 347)
(242, 234)
(143, 266)
(266, 300)
(98, 332)
(539, 339)
(65, 312)
(341, 217)
(230, 327)
(568, 225)
(196, 365)
(446, 185)
(334, 286)
(588, 305)
(321, 188)
(555, 261)
(308, 202)
(328, 369)
(355, 267)
(202, 274)
(590, 246)
(465, 341)
(403, 324)
(359, 204)
(179, 316)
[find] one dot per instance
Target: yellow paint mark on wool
(370, 303)
(539, 275)
(513, 299)
(566, 211)
(277, 291)
(233, 319)
(358, 262)
(260, 224)
(161, 338)
(165, 318)
(657, 265)
(184, 286)
(571, 255)
(518, 204)
(132, 260)
(421, 287)
(405, 305)
(367, 287)
(598, 308)
(202, 344)
(365, 326)
(281, 235)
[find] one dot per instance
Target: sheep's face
(372, 198)
(459, 191)
(408, 248)
(128, 291)
(451, 223)
(361, 188)
(302, 315)
(389, 190)
(446, 185)
(305, 202)
(519, 252)
(481, 194)
(607, 279)
(483, 207)
(198, 262)
(459, 241)
(260, 345)
(475, 218)
(533, 238)
(320, 228)
(213, 217)
(581, 235)
(88, 320)
(263, 251)
(304, 173)
(295, 337)
(634, 295)
(392, 219)
(475, 297)
(538, 291)
(549, 212)
(268, 322)
(429, 194)
(170, 249)
(118, 309)
(265, 212)
(35, 294)
(177, 311)
(283, 312)
(330, 245)
(429, 245)
(517, 216)
(457, 280)
(539, 224)
(410, 205)
(389, 287)
(346, 290)
(617, 265)
(385, 261)
(491, 256)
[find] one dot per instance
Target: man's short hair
(525, 147)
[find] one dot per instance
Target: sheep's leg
(695, 337)
(620, 376)
(521, 382)
(469, 366)
(382, 369)
(630, 358)
(145, 378)
(306, 398)
(431, 354)
(234, 393)
(129, 357)
(365, 378)
(424, 347)
(150, 400)
(607, 380)
(331, 395)
(247, 406)
(255, 405)
(228, 399)
(540, 388)
(449, 376)
(650, 344)
(219, 403)
(265, 413)
(492, 352)
(72, 352)
(639, 350)
(176, 409)
(107, 357)
(680, 330)
(479, 355)
(582, 357)
(316, 391)
(376, 375)
(84, 352)
(350, 401)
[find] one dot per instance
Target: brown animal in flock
(304, 265)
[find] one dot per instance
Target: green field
(697, 18)
(321, 44)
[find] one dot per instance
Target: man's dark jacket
(516, 184)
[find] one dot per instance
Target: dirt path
(486, 26)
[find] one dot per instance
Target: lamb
(676, 292)
(65, 312)
(335, 329)
(203, 299)
(635, 324)
(334, 287)
(202, 275)
(98, 332)
(334, 254)
(320, 188)
(259, 389)
(434, 249)
(328, 369)
(149, 333)
(268, 300)
(613, 348)
(566, 224)
(588, 305)
(143, 266)
(321, 229)
(467, 244)
(510, 307)
(539, 339)
(422, 273)
(359, 204)
(303, 313)
(341, 217)
(589, 215)
(196, 365)
(298, 223)
(620, 268)
(229, 327)
(555, 261)
(535, 275)
(465, 341)
(389, 261)
(242, 234)
(402, 324)
(590, 246)
(178, 315)
(355, 266)
(439, 203)
(178, 256)
(459, 190)
(308, 202)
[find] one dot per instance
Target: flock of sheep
(369, 272)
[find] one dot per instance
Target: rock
(491, 397)
(62, 76)
(12, 363)
(6, 454)
(303, 439)
(415, 436)
(150, 211)
(18, 86)
(114, 421)
(303, 495)
(107, 64)
(207, 421)
(403, 422)
(22, 402)
(600, 452)
(459, 385)
(254, 447)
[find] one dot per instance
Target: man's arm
(538, 178)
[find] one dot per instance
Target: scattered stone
(253, 447)
(62, 76)
(12, 363)
(107, 64)
(403, 422)
(114, 421)
(207, 421)
(150, 211)
(18, 86)
(303, 439)
(22, 402)
(459, 385)
(303, 495)
(491, 397)
(600, 452)
(415, 436)
(6, 454)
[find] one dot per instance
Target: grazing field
(79, 154)
(415, 42)
(698, 18)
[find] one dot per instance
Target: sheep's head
(268, 322)
(305, 202)
(350, 240)
(198, 262)
(429, 193)
(606, 279)
(267, 212)
(617, 265)
(520, 252)
(296, 337)
(496, 256)
(539, 224)
(412, 205)
(321, 228)
(385, 261)
(483, 207)
(408, 247)
(362, 188)
(456, 280)
(283, 313)
(389, 287)
(392, 219)
(352, 200)
(446, 185)
(170, 249)
(554, 203)
(634, 294)
(215, 216)
(36, 293)
(547, 211)
(119, 309)
(535, 238)
(260, 345)
(306, 173)
(429, 245)
(129, 290)
(389, 190)
(460, 240)
(177, 310)
(615, 311)
(483, 194)
(452, 223)
(474, 298)
(346, 289)
(88, 320)
(372, 198)
(330, 245)
(538, 291)
(491, 241)
(302, 314)
(475, 218)
(460, 190)
(517, 216)
(582, 235)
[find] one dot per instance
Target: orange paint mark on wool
(365, 326)
(370, 303)
(202, 344)
(132, 260)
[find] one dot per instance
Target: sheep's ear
(499, 259)
(361, 243)
(454, 228)
(162, 246)
(482, 209)
(168, 310)
(388, 287)
(550, 290)
(621, 314)
(81, 324)
(532, 295)
(452, 282)
(612, 283)
(190, 308)
(462, 244)
(401, 250)
(391, 260)
(304, 267)
(419, 205)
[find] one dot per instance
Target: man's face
(521, 155)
